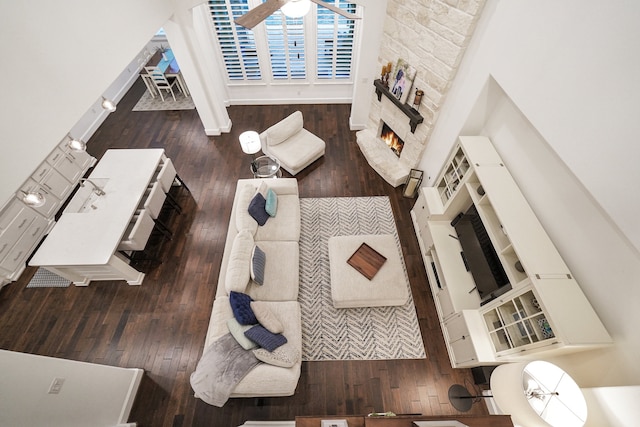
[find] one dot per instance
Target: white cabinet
(22, 226)
(20, 230)
(542, 309)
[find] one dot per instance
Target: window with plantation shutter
(335, 36)
(237, 44)
(285, 37)
(284, 45)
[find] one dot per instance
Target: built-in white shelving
(543, 308)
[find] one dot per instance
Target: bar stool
(153, 201)
(137, 233)
(167, 176)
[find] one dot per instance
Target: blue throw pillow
(241, 307)
(257, 209)
(271, 204)
(265, 339)
(258, 262)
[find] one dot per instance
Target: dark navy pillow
(241, 307)
(257, 209)
(258, 262)
(265, 339)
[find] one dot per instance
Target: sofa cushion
(241, 307)
(285, 226)
(266, 317)
(237, 331)
(264, 338)
(265, 379)
(244, 221)
(284, 129)
(271, 204)
(284, 356)
(258, 262)
(281, 273)
(239, 266)
(257, 209)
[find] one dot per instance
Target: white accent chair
(293, 146)
(162, 82)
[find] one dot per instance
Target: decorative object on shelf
(480, 190)
(108, 105)
(535, 303)
(547, 332)
(538, 393)
(412, 185)
(382, 414)
(518, 266)
(384, 75)
(417, 99)
(403, 77)
(33, 199)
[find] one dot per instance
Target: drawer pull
(36, 232)
(4, 247)
(18, 256)
(24, 221)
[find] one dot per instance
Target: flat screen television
(480, 256)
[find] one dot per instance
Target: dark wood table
(407, 420)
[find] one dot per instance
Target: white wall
(59, 57)
(554, 84)
(91, 395)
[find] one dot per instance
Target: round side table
(266, 167)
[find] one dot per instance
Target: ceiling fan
(263, 11)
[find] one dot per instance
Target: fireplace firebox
(394, 142)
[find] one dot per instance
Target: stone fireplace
(392, 165)
(432, 38)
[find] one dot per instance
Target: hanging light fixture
(296, 8)
(33, 198)
(76, 144)
(108, 105)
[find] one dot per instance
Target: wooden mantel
(414, 117)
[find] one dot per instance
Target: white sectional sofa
(278, 238)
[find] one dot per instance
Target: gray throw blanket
(222, 366)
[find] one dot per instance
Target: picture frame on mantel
(403, 77)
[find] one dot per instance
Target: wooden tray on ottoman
(366, 260)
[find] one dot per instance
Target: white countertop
(92, 237)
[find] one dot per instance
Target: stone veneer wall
(431, 35)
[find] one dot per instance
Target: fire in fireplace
(391, 139)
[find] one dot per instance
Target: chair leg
(182, 183)
(162, 227)
(174, 203)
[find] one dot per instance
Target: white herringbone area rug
(370, 333)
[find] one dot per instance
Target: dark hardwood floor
(161, 325)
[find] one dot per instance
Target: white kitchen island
(83, 244)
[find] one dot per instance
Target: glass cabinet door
(517, 322)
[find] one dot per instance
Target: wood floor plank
(161, 325)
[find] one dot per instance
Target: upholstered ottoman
(350, 288)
